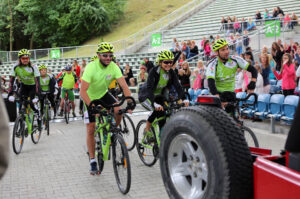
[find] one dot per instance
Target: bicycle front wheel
(48, 115)
(128, 132)
(250, 137)
(67, 112)
(36, 130)
(121, 164)
(99, 152)
(18, 135)
(145, 144)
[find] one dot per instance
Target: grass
(137, 15)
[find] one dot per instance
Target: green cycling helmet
(165, 55)
(105, 47)
(94, 58)
(220, 43)
(23, 52)
(42, 67)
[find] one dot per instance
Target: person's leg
(81, 106)
(52, 102)
(63, 94)
(42, 99)
(72, 100)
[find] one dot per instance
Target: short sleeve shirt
(99, 78)
(224, 74)
(45, 83)
(26, 74)
(68, 80)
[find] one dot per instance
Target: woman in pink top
(287, 74)
(207, 50)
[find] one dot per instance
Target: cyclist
(47, 83)
(160, 77)
(69, 80)
(29, 77)
(221, 70)
(95, 81)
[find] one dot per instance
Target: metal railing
(120, 45)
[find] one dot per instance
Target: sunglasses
(24, 58)
(105, 55)
(168, 62)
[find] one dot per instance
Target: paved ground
(57, 167)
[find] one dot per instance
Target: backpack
(142, 94)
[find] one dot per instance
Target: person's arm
(278, 76)
(4, 138)
(83, 92)
(298, 72)
(124, 86)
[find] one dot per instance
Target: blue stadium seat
(276, 103)
(262, 107)
(249, 111)
(289, 108)
(241, 95)
(191, 92)
(276, 88)
(273, 81)
(204, 92)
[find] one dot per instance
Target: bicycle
(47, 112)
(147, 144)
(127, 125)
(33, 127)
(109, 137)
(234, 107)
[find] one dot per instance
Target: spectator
(228, 18)
(230, 28)
(231, 41)
(275, 12)
(286, 48)
(4, 138)
(287, 21)
(238, 80)
(174, 67)
(196, 77)
(149, 64)
(258, 17)
(237, 26)
(212, 39)
(83, 67)
(128, 74)
(297, 57)
(266, 14)
(259, 89)
(202, 43)
(189, 44)
(194, 49)
(251, 24)
(142, 75)
(294, 19)
(182, 59)
(277, 53)
(207, 50)
(281, 19)
(177, 48)
(239, 44)
(266, 70)
(76, 68)
(244, 24)
(223, 23)
(249, 57)
(185, 49)
(287, 74)
(174, 45)
(184, 76)
(200, 67)
(246, 39)
(280, 11)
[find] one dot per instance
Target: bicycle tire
(124, 162)
(252, 135)
(128, 132)
(36, 130)
(47, 120)
(18, 123)
(141, 149)
(67, 111)
(99, 152)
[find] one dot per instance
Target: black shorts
(107, 99)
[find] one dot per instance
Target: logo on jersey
(108, 77)
(165, 76)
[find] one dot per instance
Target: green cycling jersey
(224, 73)
(26, 74)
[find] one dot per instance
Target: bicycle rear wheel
(128, 132)
(144, 145)
(36, 130)
(18, 135)
(250, 137)
(67, 111)
(121, 164)
(99, 152)
(48, 115)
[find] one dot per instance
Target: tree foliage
(53, 23)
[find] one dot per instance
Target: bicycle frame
(28, 117)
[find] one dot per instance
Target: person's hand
(273, 69)
(158, 107)
(285, 62)
(186, 103)
(129, 111)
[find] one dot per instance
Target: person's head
(206, 43)
(143, 69)
(105, 53)
(165, 59)
(275, 46)
(75, 62)
(249, 55)
(243, 19)
(229, 21)
(258, 68)
(285, 46)
(293, 14)
(264, 59)
(127, 67)
(185, 65)
(24, 57)
(200, 64)
(257, 12)
(196, 71)
(211, 37)
(245, 32)
(278, 8)
(182, 56)
(266, 10)
(249, 20)
(193, 42)
(287, 57)
(248, 49)
(68, 69)
(265, 49)
(43, 70)
(183, 43)
(174, 40)
(228, 18)
(220, 47)
(279, 41)
(218, 37)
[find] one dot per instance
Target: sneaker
(74, 115)
(94, 169)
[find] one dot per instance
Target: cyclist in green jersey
(29, 77)
(160, 77)
(69, 80)
(47, 83)
(95, 81)
(221, 70)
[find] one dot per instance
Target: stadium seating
(262, 107)
(289, 108)
(276, 103)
